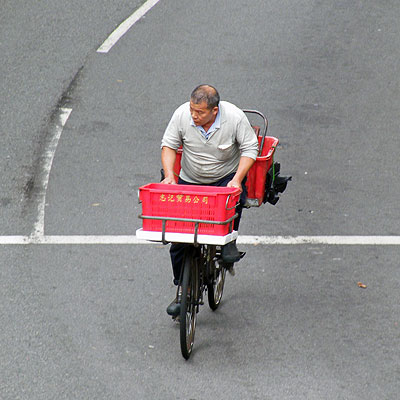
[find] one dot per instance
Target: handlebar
(265, 126)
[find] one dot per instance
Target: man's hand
(236, 184)
(169, 181)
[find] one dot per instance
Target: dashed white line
(125, 26)
(244, 239)
(45, 168)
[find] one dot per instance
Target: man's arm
(245, 163)
(168, 157)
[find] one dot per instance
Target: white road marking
(125, 26)
(330, 240)
(244, 239)
(45, 168)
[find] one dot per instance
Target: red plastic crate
(207, 203)
(257, 174)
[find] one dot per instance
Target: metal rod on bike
(196, 229)
(200, 221)
(164, 221)
(195, 221)
(265, 126)
(226, 204)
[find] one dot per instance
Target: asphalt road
(89, 321)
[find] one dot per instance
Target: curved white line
(125, 26)
(46, 162)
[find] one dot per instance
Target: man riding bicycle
(219, 148)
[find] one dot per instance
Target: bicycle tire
(216, 288)
(189, 303)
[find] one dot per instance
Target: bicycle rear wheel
(189, 302)
(216, 288)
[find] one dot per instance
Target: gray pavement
(88, 321)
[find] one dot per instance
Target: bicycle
(205, 226)
(203, 269)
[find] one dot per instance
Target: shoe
(174, 308)
(230, 253)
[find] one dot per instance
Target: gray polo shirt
(205, 161)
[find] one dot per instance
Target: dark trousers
(177, 250)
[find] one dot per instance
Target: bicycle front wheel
(189, 302)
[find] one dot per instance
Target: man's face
(202, 116)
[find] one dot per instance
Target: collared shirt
(214, 127)
(204, 160)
